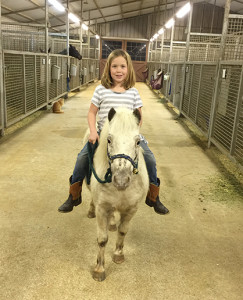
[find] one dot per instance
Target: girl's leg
(76, 180)
(153, 194)
(81, 165)
(150, 162)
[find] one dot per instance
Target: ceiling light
(97, 37)
(161, 31)
(155, 36)
(57, 5)
(73, 18)
(170, 23)
(184, 10)
(85, 27)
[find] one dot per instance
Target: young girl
(116, 90)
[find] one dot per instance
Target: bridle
(108, 175)
(134, 161)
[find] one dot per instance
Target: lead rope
(108, 175)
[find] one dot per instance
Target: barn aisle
(195, 252)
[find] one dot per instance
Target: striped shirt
(105, 99)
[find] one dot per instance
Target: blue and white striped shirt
(105, 99)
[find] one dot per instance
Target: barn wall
(204, 79)
(206, 18)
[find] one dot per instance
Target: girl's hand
(93, 136)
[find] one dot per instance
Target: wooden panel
(139, 67)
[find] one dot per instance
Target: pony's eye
(109, 141)
(138, 143)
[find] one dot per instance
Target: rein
(108, 175)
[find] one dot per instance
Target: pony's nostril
(121, 182)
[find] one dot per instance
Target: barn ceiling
(97, 11)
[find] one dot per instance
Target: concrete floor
(195, 252)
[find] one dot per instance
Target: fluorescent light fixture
(85, 27)
(151, 40)
(170, 23)
(155, 36)
(161, 31)
(73, 18)
(183, 11)
(57, 5)
(97, 37)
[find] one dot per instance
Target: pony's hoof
(118, 259)
(91, 215)
(99, 276)
(112, 227)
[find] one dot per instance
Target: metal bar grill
(41, 81)
(14, 86)
(30, 82)
(226, 104)
(204, 47)
(238, 153)
(64, 72)
(52, 82)
(176, 84)
(179, 51)
(206, 96)
(74, 80)
(23, 38)
(187, 89)
(194, 93)
(234, 40)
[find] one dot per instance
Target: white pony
(118, 150)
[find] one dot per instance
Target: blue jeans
(82, 164)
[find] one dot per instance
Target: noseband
(127, 157)
(108, 175)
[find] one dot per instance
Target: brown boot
(74, 198)
(152, 199)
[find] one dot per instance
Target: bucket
(55, 72)
(73, 70)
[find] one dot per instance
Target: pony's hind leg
(118, 256)
(91, 212)
(102, 224)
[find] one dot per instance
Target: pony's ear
(111, 114)
(137, 114)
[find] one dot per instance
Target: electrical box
(55, 72)
(73, 70)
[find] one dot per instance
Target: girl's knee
(149, 158)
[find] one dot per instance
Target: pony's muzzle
(121, 181)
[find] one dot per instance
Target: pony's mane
(122, 123)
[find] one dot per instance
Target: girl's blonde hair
(130, 80)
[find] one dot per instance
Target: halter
(127, 157)
(108, 175)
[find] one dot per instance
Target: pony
(119, 152)
(72, 52)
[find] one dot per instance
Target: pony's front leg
(118, 256)
(102, 224)
(112, 222)
(91, 212)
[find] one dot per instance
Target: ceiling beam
(20, 14)
(98, 10)
(161, 8)
(71, 1)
